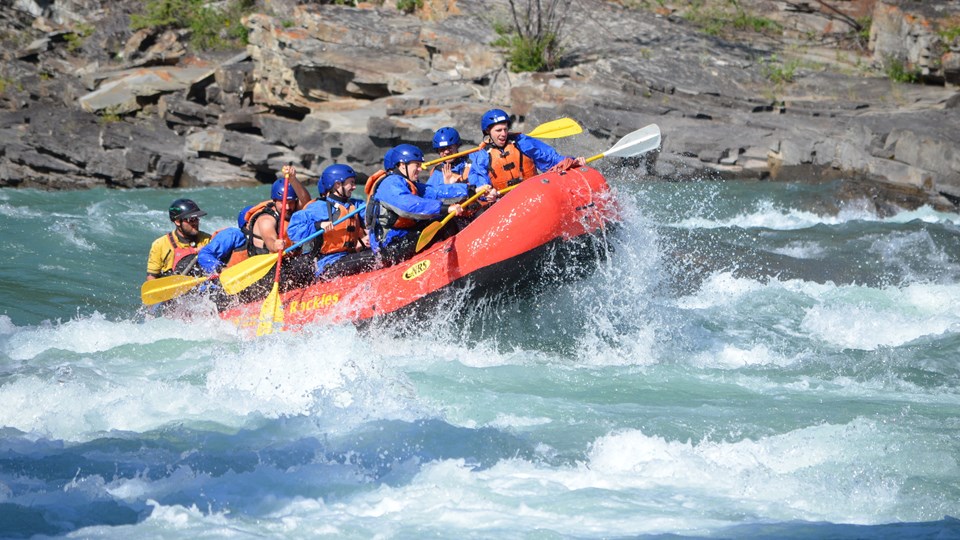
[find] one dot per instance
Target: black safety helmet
(184, 209)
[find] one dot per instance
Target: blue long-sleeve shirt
(216, 254)
(436, 177)
(543, 155)
(304, 223)
(425, 203)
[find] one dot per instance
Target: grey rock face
(325, 84)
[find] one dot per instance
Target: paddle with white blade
(633, 144)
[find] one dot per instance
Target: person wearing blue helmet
(446, 141)
(227, 247)
(399, 206)
(340, 250)
(265, 232)
(510, 158)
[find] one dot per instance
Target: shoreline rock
(134, 109)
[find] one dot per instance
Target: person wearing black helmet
(173, 252)
(510, 158)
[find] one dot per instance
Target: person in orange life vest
(342, 249)
(227, 247)
(399, 207)
(446, 141)
(167, 252)
(265, 233)
(510, 158)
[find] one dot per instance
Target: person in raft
(175, 252)
(266, 233)
(343, 248)
(227, 247)
(446, 141)
(399, 207)
(510, 158)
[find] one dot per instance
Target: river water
(753, 360)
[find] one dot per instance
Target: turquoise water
(753, 360)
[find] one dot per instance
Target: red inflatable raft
(553, 216)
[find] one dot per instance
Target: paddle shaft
(431, 230)
(345, 217)
(555, 129)
(238, 277)
(281, 228)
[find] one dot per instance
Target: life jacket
(345, 235)
(252, 215)
(181, 255)
(377, 213)
(239, 254)
(508, 165)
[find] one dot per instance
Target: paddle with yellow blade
(555, 129)
(431, 230)
(632, 144)
(169, 287)
(271, 312)
(242, 275)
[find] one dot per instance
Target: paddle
(632, 144)
(555, 129)
(271, 312)
(431, 230)
(168, 287)
(240, 276)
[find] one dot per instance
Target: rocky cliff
(86, 101)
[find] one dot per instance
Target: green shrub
(863, 34)
(76, 38)
(950, 33)
(896, 69)
(531, 54)
(210, 27)
(533, 39)
(409, 6)
(780, 72)
(716, 21)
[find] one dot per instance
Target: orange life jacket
(508, 165)
(388, 218)
(257, 210)
(345, 235)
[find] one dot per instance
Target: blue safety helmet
(276, 193)
(494, 116)
(388, 160)
(337, 172)
(402, 153)
(242, 216)
(444, 137)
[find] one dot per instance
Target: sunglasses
(192, 220)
